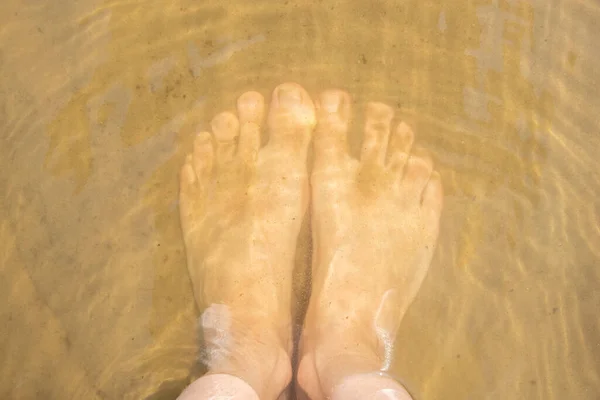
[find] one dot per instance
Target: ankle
(370, 385)
(333, 368)
(267, 370)
(252, 348)
(326, 366)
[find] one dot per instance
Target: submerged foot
(375, 225)
(241, 211)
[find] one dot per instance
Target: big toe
(291, 117)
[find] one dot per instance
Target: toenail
(289, 96)
(330, 102)
(250, 103)
(224, 124)
(380, 111)
(203, 137)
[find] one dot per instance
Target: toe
(291, 117)
(188, 191)
(433, 195)
(330, 142)
(225, 127)
(202, 157)
(193, 179)
(417, 172)
(377, 133)
(251, 107)
(187, 176)
(401, 142)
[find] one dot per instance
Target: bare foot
(241, 211)
(375, 225)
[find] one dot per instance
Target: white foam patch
(442, 22)
(215, 323)
(385, 333)
(388, 345)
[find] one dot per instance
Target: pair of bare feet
(374, 220)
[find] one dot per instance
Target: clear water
(98, 103)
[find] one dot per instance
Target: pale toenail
(330, 102)
(225, 127)
(289, 96)
(250, 103)
(203, 137)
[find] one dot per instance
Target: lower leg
(369, 386)
(246, 355)
(254, 348)
(347, 363)
(219, 387)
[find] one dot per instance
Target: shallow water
(98, 104)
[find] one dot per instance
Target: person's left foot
(375, 224)
(241, 208)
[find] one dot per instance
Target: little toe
(225, 127)
(330, 141)
(401, 142)
(188, 192)
(203, 157)
(377, 132)
(251, 107)
(193, 178)
(417, 172)
(433, 195)
(187, 176)
(291, 118)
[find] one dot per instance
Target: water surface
(99, 101)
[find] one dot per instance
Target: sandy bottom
(99, 101)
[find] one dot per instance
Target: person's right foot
(375, 225)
